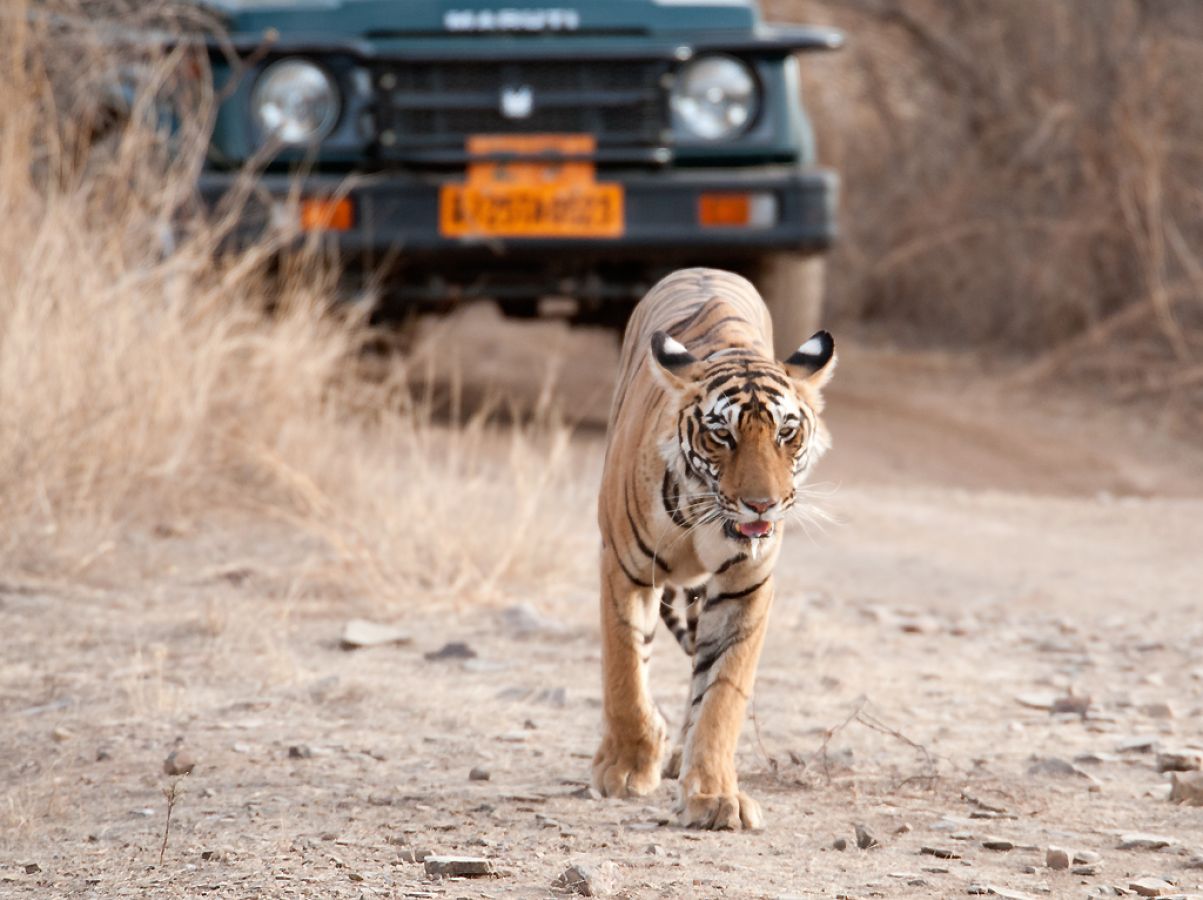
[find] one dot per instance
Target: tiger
(709, 441)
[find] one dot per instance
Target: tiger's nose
(759, 504)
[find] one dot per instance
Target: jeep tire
(792, 286)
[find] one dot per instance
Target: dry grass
(1021, 174)
(143, 383)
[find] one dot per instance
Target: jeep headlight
(713, 98)
(294, 102)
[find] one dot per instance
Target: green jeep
(473, 149)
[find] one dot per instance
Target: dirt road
(993, 551)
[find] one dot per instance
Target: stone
(300, 751)
(1085, 871)
(31, 868)
(1037, 701)
(1186, 788)
(179, 762)
(1056, 767)
(1007, 893)
(523, 619)
(1076, 704)
(1095, 758)
(1000, 844)
(1139, 744)
(452, 650)
(864, 838)
(479, 773)
(60, 735)
(359, 633)
(1138, 841)
(839, 844)
(939, 852)
(1158, 710)
(1150, 887)
(1182, 760)
(1087, 857)
(1056, 858)
(579, 879)
(458, 866)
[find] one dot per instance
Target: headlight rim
(756, 104)
(329, 124)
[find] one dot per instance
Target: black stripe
(733, 561)
(720, 680)
(703, 664)
(640, 543)
(631, 578)
(713, 327)
(670, 506)
(714, 601)
(677, 327)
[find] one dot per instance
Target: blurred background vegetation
(1020, 175)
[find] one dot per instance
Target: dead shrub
(143, 380)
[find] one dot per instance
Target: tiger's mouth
(749, 531)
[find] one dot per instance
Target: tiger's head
(747, 428)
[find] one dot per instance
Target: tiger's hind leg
(686, 623)
(635, 738)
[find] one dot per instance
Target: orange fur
(700, 440)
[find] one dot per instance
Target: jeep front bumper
(396, 215)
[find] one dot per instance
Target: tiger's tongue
(757, 529)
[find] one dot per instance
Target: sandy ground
(992, 550)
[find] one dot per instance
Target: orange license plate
(546, 211)
(540, 197)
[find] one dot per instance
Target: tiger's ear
(813, 363)
(671, 364)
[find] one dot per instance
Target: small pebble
(1145, 842)
(179, 762)
(864, 838)
(479, 773)
(300, 751)
(458, 866)
(1179, 760)
(1150, 887)
(1160, 710)
(1187, 788)
(839, 844)
(452, 650)
(1056, 858)
(939, 852)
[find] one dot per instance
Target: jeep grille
(424, 108)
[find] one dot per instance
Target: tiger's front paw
(628, 768)
(721, 811)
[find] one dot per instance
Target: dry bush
(142, 380)
(1017, 173)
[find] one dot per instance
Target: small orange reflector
(327, 215)
(723, 210)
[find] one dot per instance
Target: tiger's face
(747, 428)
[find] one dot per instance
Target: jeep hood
(351, 19)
